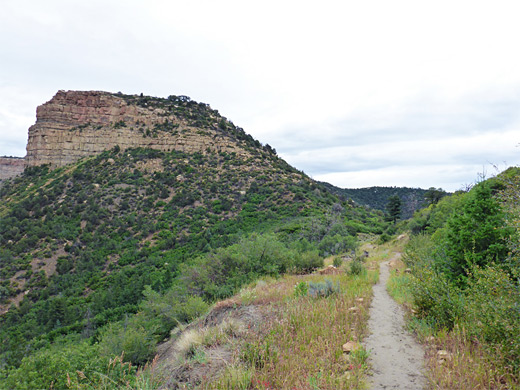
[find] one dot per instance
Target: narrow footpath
(397, 359)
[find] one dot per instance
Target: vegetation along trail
(397, 359)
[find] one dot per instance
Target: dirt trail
(397, 359)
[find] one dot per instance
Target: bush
(118, 375)
(130, 339)
(307, 262)
(48, 368)
(167, 311)
(356, 267)
(301, 289)
(383, 238)
(419, 251)
(437, 298)
(335, 244)
(337, 262)
(220, 274)
(492, 313)
(323, 289)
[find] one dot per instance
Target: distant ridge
(377, 197)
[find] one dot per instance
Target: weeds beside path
(397, 359)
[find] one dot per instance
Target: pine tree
(393, 208)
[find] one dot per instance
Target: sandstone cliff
(76, 124)
(11, 167)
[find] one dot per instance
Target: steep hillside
(82, 246)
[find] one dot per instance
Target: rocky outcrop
(76, 124)
(11, 167)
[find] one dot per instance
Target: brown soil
(397, 359)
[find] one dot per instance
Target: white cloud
(452, 161)
(371, 82)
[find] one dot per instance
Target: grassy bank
(278, 333)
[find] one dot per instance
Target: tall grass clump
(236, 377)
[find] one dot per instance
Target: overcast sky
(356, 93)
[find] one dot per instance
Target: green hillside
(87, 250)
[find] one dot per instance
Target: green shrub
(48, 368)
(118, 375)
(492, 315)
(221, 273)
(337, 243)
(384, 238)
(323, 289)
(419, 251)
(307, 262)
(437, 298)
(337, 262)
(130, 339)
(356, 267)
(168, 310)
(301, 289)
(191, 308)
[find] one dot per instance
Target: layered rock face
(76, 124)
(11, 167)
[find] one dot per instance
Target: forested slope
(412, 199)
(85, 246)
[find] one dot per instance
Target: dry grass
(467, 365)
(189, 341)
(300, 346)
(223, 333)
